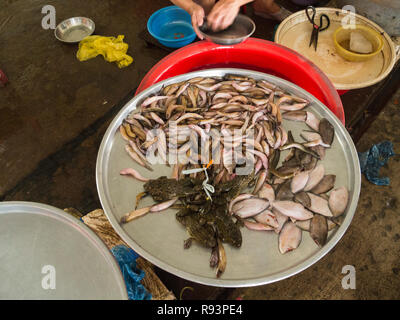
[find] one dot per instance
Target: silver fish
(289, 237)
(319, 230)
(292, 209)
(338, 200)
(319, 205)
(250, 207)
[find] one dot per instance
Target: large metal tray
(42, 246)
(158, 237)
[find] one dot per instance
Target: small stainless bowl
(241, 28)
(74, 29)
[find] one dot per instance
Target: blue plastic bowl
(172, 27)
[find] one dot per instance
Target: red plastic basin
(254, 54)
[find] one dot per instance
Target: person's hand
(223, 14)
(197, 14)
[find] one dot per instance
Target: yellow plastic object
(342, 35)
(111, 48)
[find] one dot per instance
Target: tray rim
(10, 207)
(217, 282)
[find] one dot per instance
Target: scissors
(316, 28)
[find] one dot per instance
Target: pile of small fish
(210, 112)
(298, 195)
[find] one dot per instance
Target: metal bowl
(159, 237)
(241, 28)
(74, 29)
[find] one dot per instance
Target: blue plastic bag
(372, 160)
(126, 258)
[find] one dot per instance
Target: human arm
(196, 12)
(224, 13)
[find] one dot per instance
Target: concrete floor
(55, 110)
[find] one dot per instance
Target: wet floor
(55, 110)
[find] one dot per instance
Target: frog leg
(187, 243)
(214, 259)
(139, 197)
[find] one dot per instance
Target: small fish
(289, 237)
(257, 226)
(300, 147)
(238, 98)
(138, 116)
(208, 88)
(187, 116)
(319, 229)
(325, 185)
(292, 210)
(182, 89)
(221, 95)
(312, 121)
(313, 139)
(299, 181)
(281, 218)
(295, 116)
(267, 192)
(173, 107)
(267, 217)
(250, 207)
(338, 200)
(303, 199)
(261, 156)
(260, 181)
(319, 205)
(128, 130)
(315, 176)
(136, 158)
(134, 146)
(240, 197)
(293, 107)
(123, 133)
(150, 100)
(327, 131)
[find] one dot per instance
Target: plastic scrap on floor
(111, 48)
(372, 160)
(126, 258)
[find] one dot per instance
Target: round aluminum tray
(158, 237)
(47, 254)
